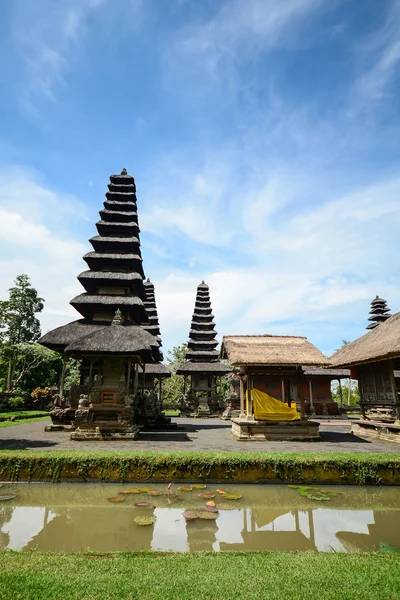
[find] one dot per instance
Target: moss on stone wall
(361, 469)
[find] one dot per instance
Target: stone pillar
(340, 393)
(249, 415)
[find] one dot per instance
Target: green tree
(173, 386)
(18, 320)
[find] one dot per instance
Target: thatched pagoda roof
(157, 369)
(212, 367)
(326, 372)
(381, 343)
(119, 340)
(60, 337)
(271, 350)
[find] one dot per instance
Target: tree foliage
(173, 386)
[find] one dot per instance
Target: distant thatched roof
(380, 343)
(157, 369)
(207, 367)
(323, 372)
(116, 339)
(265, 350)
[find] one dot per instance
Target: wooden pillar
(64, 368)
(242, 414)
(143, 377)
(312, 411)
(301, 398)
(90, 382)
(160, 391)
(340, 393)
(128, 382)
(283, 390)
(249, 411)
(136, 381)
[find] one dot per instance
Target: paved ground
(192, 434)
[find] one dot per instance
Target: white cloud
(35, 239)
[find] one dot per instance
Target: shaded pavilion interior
(374, 359)
(274, 364)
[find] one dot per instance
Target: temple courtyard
(193, 435)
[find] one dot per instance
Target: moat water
(80, 517)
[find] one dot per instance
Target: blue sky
(263, 136)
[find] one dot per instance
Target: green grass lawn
(205, 576)
(23, 421)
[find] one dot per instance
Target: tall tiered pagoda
(151, 379)
(379, 312)
(109, 340)
(202, 365)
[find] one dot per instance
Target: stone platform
(376, 430)
(84, 435)
(53, 427)
(291, 431)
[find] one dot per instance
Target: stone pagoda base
(291, 431)
(388, 432)
(55, 427)
(105, 435)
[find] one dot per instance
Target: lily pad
(6, 497)
(221, 492)
(144, 505)
(232, 496)
(185, 488)
(210, 503)
(212, 509)
(207, 496)
(227, 506)
(132, 491)
(154, 493)
(190, 515)
(116, 499)
(145, 520)
(198, 486)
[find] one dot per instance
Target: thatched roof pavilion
(381, 343)
(271, 350)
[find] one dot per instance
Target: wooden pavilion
(272, 364)
(374, 358)
(202, 366)
(110, 340)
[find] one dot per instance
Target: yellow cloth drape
(267, 408)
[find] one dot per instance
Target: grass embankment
(19, 415)
(233, 576)
(272, 467)
(23, 421)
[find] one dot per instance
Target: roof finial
(124, 172)
(117, 320)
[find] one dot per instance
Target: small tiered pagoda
(109, 340)
(152, 377)
(202, 364)
(379, 312)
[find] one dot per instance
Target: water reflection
(94, 524)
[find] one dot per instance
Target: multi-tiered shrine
(110, 340)
(379, 312)
(152, 376)
(202, 366)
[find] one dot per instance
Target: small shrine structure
(272, 365)
(374, 359)
(150, 381)
(109, 339)
(202, 367)
(379, 312)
